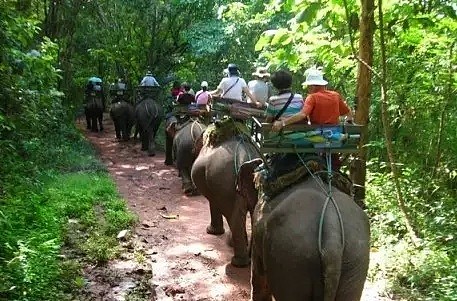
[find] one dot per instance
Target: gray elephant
(293, 258)
(214, 174)
(183, 143)
(94, 111)
(123, 115)
(149, 115)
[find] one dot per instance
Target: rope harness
(329, 197)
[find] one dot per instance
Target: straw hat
(261, 72)
(315, 77)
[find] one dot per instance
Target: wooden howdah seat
(240, 110)
(304, 138)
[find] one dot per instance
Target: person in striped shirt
(282, 81)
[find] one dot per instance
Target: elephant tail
(331, 262)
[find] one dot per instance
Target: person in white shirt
(259, 86)
(149, 81)
(232, 87)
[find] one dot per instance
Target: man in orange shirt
(321, 106)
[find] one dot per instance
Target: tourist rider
(233, 86)
(259, 86)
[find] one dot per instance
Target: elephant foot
(168, 163)
(144, 148)
(151, 154)
(101, 129)
(240, 262)
(214, 231)
(191, 192)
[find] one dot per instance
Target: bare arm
(249, 94)
(216, 92)
(277, 125)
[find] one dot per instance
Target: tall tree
(364, 77)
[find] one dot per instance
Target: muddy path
(169, 256)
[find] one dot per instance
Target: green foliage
(35, 225)
(423, 272)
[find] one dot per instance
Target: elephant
(123, 115)
(181, 145)
(214, 174)
(293, 258)
(149, 115)
(94, 111)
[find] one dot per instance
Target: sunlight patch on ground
(126, 166)
(162, 172)
(141, 167)
(196, 249)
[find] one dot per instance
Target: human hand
(259, 105)
(277, 126)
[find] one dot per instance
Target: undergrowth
(59, 209)
(426, 271)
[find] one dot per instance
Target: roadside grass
(59, 210)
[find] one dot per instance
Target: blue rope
(329, 198)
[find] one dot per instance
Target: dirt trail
(186, 263)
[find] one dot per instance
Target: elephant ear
(245, 183)
(198, 145)
(171, 126)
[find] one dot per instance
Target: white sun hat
(314, 77)
(204, 84)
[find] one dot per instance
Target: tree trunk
(358, 168)
(412, 231)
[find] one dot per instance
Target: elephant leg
(88, 123)
(240, 241)
(151, 143)
(351, 282)
(168, 149)
(125, 136)
(94, 123)
(188, 186)
(216, 227)
(117, 129)
(100, 121)
(143, 138)
(259, 284)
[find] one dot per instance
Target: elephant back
(95, 102)
(122, 108)
(149, 108)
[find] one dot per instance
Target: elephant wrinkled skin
(286, 262)
(181, 146)
(149, 115)
(214, 175)
(94, 112)
(123, 115)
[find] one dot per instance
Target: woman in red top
(176, 89)
(321, 106)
